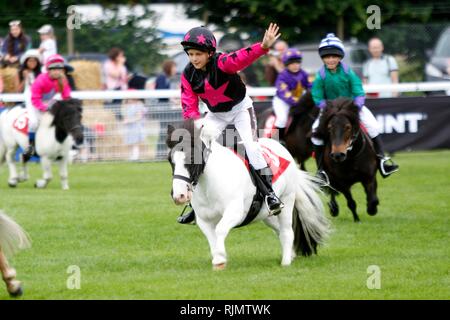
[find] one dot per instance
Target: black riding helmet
(199, 38)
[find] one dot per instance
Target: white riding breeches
(281, 110)
(34, 116)
(365, 116)
(243, 117)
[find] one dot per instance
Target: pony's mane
(190, 143)
(64, 107)
(339, 106)
(305, 104)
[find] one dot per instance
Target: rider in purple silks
(291, 84)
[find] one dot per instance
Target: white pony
(12, 238)
(218, 185)
(54, 138)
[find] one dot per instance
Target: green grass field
(118, 225)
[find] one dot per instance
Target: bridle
(193, 183)
(183, 178)
(78, 126)
(354, 138)
(352, 141)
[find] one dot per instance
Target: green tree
(134, 34)
(141, 44)
(311, 19)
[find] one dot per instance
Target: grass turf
(118, 225)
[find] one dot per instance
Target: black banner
(408, 123)
(413, 123)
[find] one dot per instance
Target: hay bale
(87, 74)
(9, 76)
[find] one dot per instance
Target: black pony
(298, 133)
(349, 156)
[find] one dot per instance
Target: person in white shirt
(48, 43)
(381, 68)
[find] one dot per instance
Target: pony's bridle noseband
(185, 179)
(352, 141)
(354, 138)
(75, 127)
(191, 182)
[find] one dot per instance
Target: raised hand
(270, 36)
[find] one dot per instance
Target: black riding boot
(30, 150)
(386, 169)
(281, 135)
(263, 180)
(186, 218)
(321, 174)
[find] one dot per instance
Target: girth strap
(255, 207)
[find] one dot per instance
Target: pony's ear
(170, 129)
(169, 142)
(79, 106)
(349, 104)
(328, 107)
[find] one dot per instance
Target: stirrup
(324, 180)
(273, 212)
(385, 173)
(28, 153)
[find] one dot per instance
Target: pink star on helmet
(215, 96)
(187, 36)
(201, 39)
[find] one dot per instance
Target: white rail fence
(131, 125)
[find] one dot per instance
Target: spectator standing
(48, 43)
(30, 68)
(380, 68)
(15, 44)
(166, 80)
(275, 65)
(116, 77)
(134, 126)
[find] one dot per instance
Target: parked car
(355, 56)
(438, 66)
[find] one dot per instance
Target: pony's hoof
(40, 184)
(219, 267)
(334, 209)
(372, 208)
(286, 264)
(15, 289)
(65, 187)
(12, 183)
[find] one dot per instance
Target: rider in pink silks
(43, 91)
(212, 77)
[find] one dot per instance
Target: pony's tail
(311, 227)
(12, 236)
